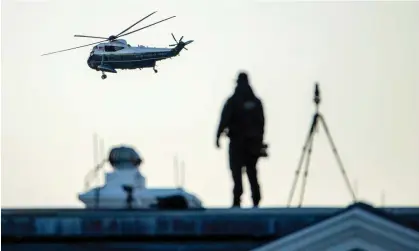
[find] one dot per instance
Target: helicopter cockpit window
(111, 48)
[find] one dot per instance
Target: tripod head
(317, 95)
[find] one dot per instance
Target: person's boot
(236, 203)
(256, 203)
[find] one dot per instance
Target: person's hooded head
(243, 90)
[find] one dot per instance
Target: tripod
(306, 153)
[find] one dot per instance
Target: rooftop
(242, 228)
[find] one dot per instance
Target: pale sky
(364, 55)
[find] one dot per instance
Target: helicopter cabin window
(112, 48)
(98, 48)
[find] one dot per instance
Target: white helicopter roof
(119, 41)
(123, 43)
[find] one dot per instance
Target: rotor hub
(112, 38)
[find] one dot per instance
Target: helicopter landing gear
(103, 75)
(155, 70)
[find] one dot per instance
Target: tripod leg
(342, 169)
(303, 185)
(300, 163)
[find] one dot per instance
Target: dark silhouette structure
(130, 198)
(243, 121)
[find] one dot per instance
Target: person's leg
(236, 165)
(253, 179)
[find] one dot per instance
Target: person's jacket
(243, 116)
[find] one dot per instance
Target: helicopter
(113, 53)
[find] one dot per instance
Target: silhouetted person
(243, 120)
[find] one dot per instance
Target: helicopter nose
(90, 63)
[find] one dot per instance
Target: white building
(355, 229)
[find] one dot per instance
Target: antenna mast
(179, 172)
(306, 153)
(98, 159)
(182, 174)
(176, 170)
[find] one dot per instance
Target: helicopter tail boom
(179, 47)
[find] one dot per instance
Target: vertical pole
(182, 177)
(96, 163)
(175, 166)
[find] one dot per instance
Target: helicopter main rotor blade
(90, 36)
(134, 24)
(174, 38)
(145, 26)
(74, 48)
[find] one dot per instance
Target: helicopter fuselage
(108, 57)
(114, 53)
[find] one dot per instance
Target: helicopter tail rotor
(180, 42)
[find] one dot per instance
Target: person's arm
(262, 118)
(225, 118)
